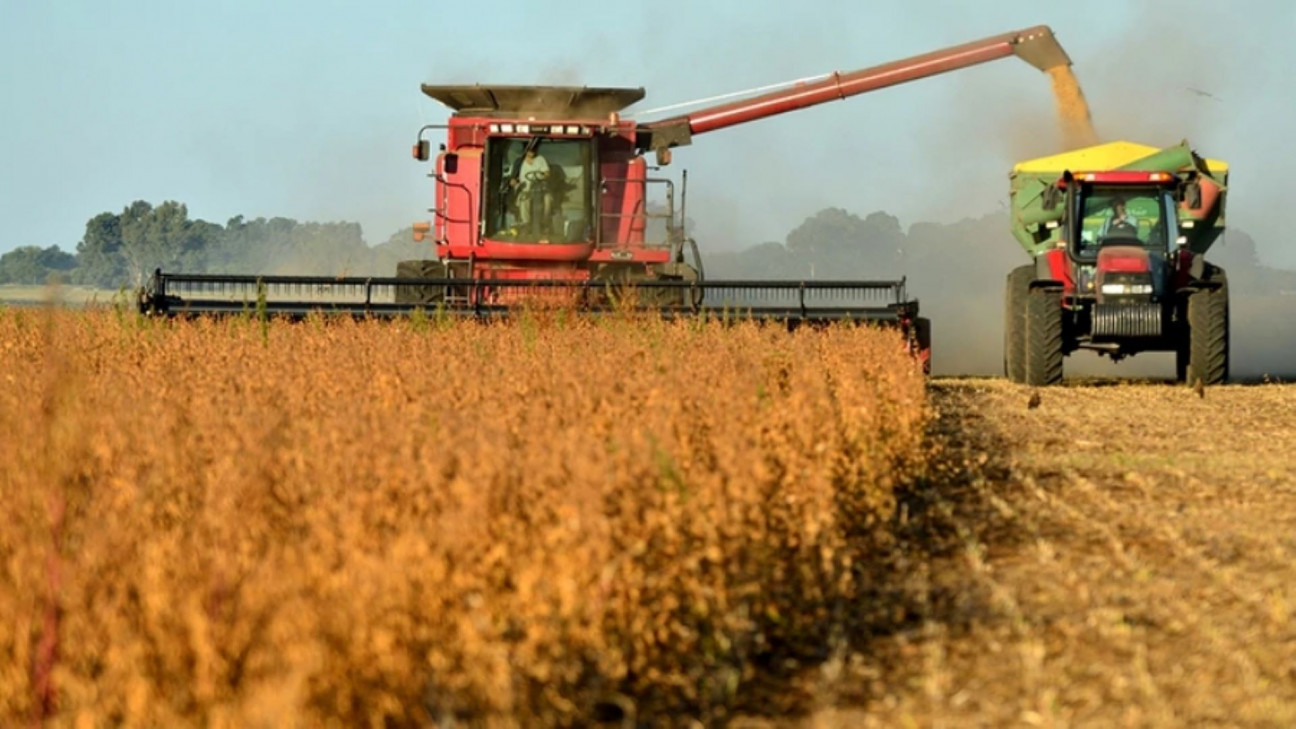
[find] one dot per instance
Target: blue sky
(307, 109)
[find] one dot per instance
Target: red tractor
(1119, 234)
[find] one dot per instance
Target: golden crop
(237, 523)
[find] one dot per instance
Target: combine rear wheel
(430, 295)
(1043, 337)
(1015, 291)
(1204, 351)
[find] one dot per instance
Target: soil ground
(1119, 555)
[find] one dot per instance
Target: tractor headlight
(1127, 289)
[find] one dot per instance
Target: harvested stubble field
(246, 523)
(1121, 555)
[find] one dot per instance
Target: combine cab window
(1123, 215)
(539, 190)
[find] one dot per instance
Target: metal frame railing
(172, 293)
(668, 216)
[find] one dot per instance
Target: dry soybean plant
(391, 523)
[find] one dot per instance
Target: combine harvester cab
(545, 194)
(1118, 233)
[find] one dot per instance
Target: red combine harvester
(545, 191)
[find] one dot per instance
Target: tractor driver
(533, 176)
(1120, 224)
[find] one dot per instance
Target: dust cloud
(957, 271)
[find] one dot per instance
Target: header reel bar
(298, 296)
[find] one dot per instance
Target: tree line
(939, 259)
(957, 260)
(122, 249)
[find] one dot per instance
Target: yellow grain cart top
(1109, 156)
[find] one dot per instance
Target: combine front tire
(1204, 356)
(1015, 291)
(430, 295)
(691, 297)
(1043, 337)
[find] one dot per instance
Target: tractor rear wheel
(1043, 337)
(1204, 356)
(420, 294)
(1015, 290)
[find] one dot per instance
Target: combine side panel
(457, 205)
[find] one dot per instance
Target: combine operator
(532, 179)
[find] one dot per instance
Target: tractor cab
(1122, 216)
(1120, 234)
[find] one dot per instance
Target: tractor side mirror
(1192, 195)
(421, 150)
(663, 156)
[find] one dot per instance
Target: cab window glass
(1122, 215)
(539, 189)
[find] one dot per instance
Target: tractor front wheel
(1044, 351)
(1203, 354)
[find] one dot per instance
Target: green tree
(401, 246)
(35, 265)
(162, 237)
(99, 261)
(834, 243)
(285, 246)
